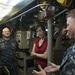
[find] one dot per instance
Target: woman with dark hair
(39, 51)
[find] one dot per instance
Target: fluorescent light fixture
(14, 2)
(4, 10)
(10, 2)
(3, 1)
(6, 6)
(4, 13)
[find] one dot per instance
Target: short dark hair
(42, 27)
(71, 13)
(8, 28)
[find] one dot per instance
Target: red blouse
(40, 49)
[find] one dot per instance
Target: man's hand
(41, 72)
(52, 68)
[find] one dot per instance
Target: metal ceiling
(23, 6)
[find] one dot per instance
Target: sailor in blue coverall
(7, 52)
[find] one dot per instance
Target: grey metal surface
(17, 9)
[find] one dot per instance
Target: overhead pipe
(60, 13)
(27, 11)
